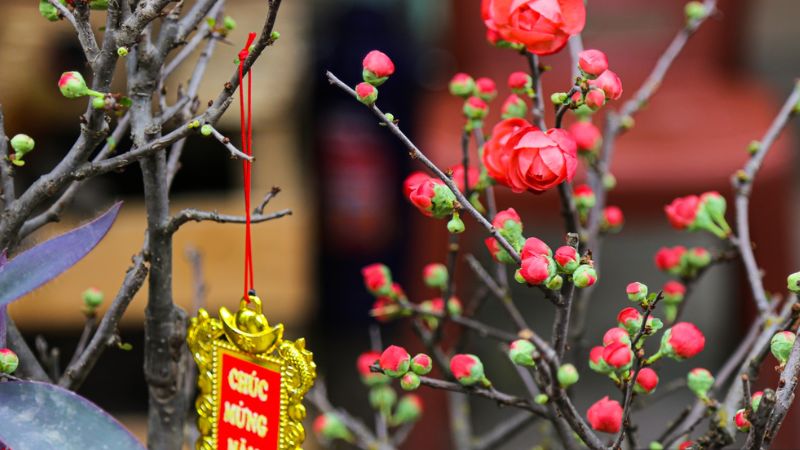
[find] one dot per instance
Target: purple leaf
(38, 416)
(38, 265)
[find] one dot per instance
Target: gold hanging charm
(251, 381)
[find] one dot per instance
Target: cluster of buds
(596, 85)
(631, 320)
(376, 69)
(476, 94)
(515, 106)
(21, 144)
(540, 266)
(682, 262)
(703, 212)
(430, 195)
(389, 296)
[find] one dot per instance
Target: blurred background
(341, 175)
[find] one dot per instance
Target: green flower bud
(389, 117)
(92, 298)
(22, 144)
(694, 10)
(8, 361)
(567, 375)
(206, 130)
(584, 276)
(700, 381)
(752, 147)
(558, 98)
(455, 225)
(122, 51)
(781, 346)
(382, 398)
(409, 409)
(637, 292)
(421, 364)
(329, 427)
(655, 446)
(554, 283)
(409, 381)
(609, 181)
(521, 352)
(793, 282)
(228, 23)
(275, 35)
(48, 11)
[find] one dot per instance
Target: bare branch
(6, 174)
(83, 28)
(235, 152)
(190, 214)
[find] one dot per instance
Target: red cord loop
(246, 122)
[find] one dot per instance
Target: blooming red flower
(683, 211)
(458, 177)
(647, 380)
(496, 153)
(605, 415)
(594, 62)
(586, 135)
(542, 26)
(540, 160)
(618, 355)
(685, 340)
(609, 83)
(422, 196)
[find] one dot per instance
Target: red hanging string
(246, 122)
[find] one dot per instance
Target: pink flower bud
(584, 276)
(686, 445)
(363, 364)
(520, 83)
(537, 269)
(421, 364)
(534, 246)
(507, 219)
(514, 107)
(567, 258)
(593, 62)
(395, 361)
(630, 319)
(475, 108)
(587, 136)
(682, 341)
(596, 361)
(385, 309)
(595, 99)
(367, 93)
(618, 355)
(468, 370)
(584, 198)
(435, 275)
(462, 85)
(485, 88)
(329, 427)
(72, 85)
(683, 211)
(673, 292)
(409, 381)
(377, 279)
(646, 381)
(609, 83)
(698, 257)
(741, 422)
(377, 67)
(637, 292)
(605, 415)
(433, 199)
(668, 259)
(612, 220)
(615, 335)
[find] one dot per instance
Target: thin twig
(190, 214)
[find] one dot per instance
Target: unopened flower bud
(367, 94)
(558, 98)
(455, 225)
(409, 381)
(377, 279)
(584, 198)
(700, 381)
(587, 136)
(22, 144)
(637, 292)
(72, 85)
(646, 381)
(554, 283)
(462, 85)
(605, 415)
(520, 83)
(609, 83)
(584, 276)
(595, 99)
(592, 62)
(741, 422)
(655, 445)
(409, 409)
(541, 399)
(454, 307)
(521, 352)
(275, 35)
(694, 10)
(618, 356)
(752, 147)
(122, 51)
(616, 334)
(206, 130)
(686, 445)
(475, 108)
(395, 361)
(49, 11)
(684, 340)
(514, 106)
(567, 258)
(377, 67)
(630, 319)
(329, 427)
(382, 398)
(781, 346)
(609, 181)
(596, 361)
(468, 370)
(567, 375)
(673, 292)
(612, 220)
(435, 275)
(793, 282)
(364, 366)
(421, 364)
(92, 298)
(8, 361)
(755, 400)
(485, 88)
(98, 103)
(537, 269)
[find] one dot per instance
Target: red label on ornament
(248, 417)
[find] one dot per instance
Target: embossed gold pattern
(248, 333)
